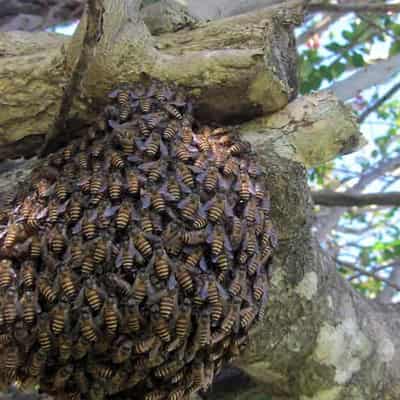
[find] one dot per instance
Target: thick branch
(37, 15)
(380, 7)
(94, 30)
(342, 199)
(313, 129)
(320, 339)
(373, 74)
(234, 83)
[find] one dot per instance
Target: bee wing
(203, 264)
(227, 242)
(146, 200)
(110, 211)
(77, 228)
(228, 209)
(210, 233)
(163, 148)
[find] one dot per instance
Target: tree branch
(230, 84)
(94, 31)
(354, 7)
(313, 130)
(320, 339)
(373, 74)
(329, 198)
(372, 108)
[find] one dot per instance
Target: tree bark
(339, 199)
(320, 339)
(229, 84)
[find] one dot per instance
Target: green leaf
(338, 69)
(357, 60)
(395, 48)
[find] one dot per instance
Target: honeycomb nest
(136, 258)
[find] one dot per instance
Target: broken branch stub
(230, 83)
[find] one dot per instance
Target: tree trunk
(320, 339)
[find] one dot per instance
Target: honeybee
(93, 295)
(168, 304)
(189, 206)
(14, 233)
(132, 182)
(170, 130)
(170, 109)
(238, 283)
(231, 321)
(161, 264)
(61, 190)
(231, 167)
(65, 347)
(259, 287)
(158, 202)
(239, 148)
(182, 153)
(169, 369)
(56, 240)
(60, 317)
(35, 249)
(126, 139)
(87, 225)
(11, 306)
(67, 282)
(123, 352)
(244, 187)
(203, 333)
(111, 315)
(210, 179)
(172, 240)
(81, 347)
(132, 317)
(183, 322)
(217, 208)
(142, 346)
(7, 273)
(115, 186)
(74, 209)
(184, 279)
(123, 215)
(184, 175)
(119, 285)
(29, 306)
(250, 210)
(247, 316)
(194, 237)
(219, 241)
(154, 170)
(62, 376)
(87, 326)
(250, 242)
(44, 332)
(142, 244)
(193, 259)
(152, 145)
(140, 286)
(37, 363)
(160, 327)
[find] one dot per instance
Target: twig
(367, 273)
(363, 116)
(94, 30)
(354, 7)
(330, 198)
(376, 269)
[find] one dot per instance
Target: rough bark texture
(230, 83)
(320, 339)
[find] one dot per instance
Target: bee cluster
(136, 258)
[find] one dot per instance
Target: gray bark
(320, 339)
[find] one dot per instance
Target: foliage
(367, 238)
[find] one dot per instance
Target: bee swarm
(137, 256)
